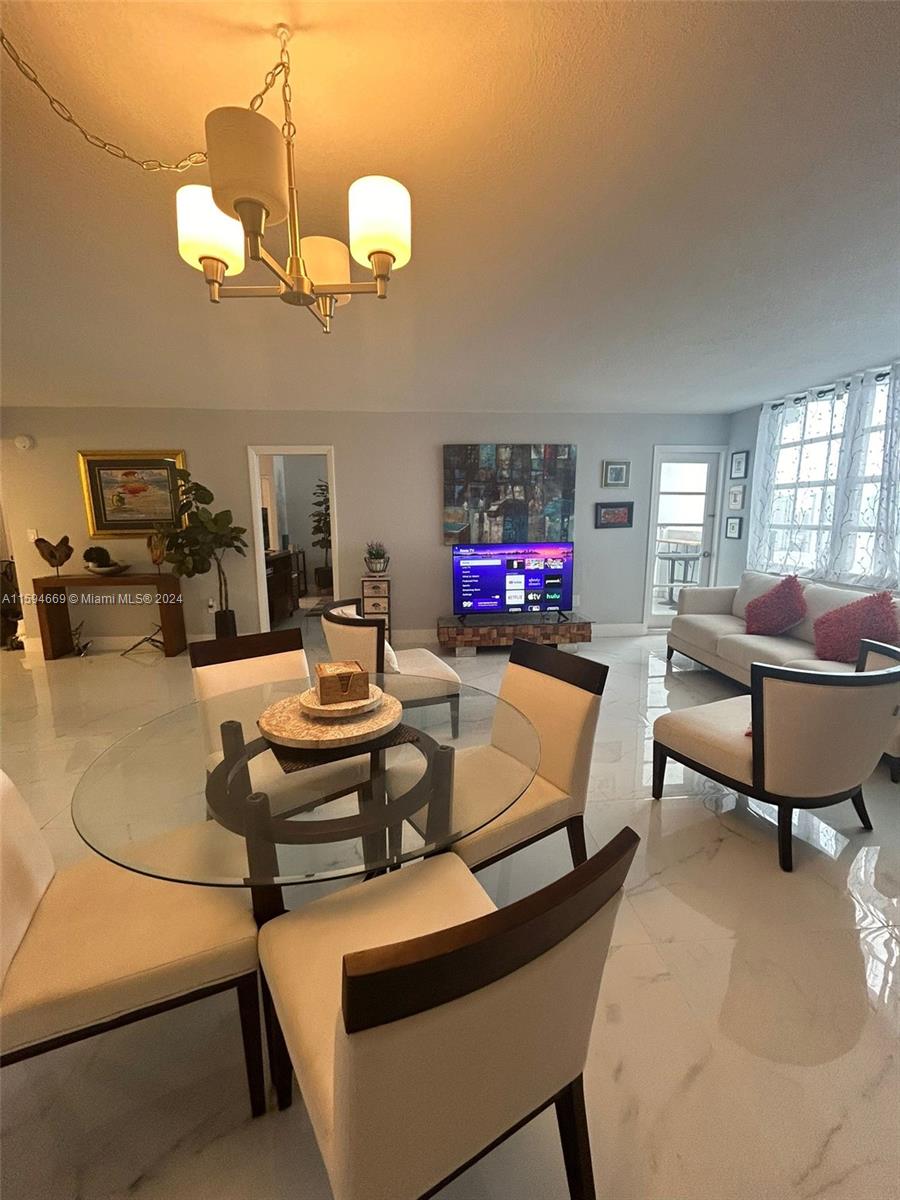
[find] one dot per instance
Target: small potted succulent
(98, 561)
(377, 558)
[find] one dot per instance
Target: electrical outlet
(210, 605)
(32, 535)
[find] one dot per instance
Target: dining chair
(875, 656)
(814, 739)
(560, 695)
(426, 1026)
(351, 636)
(223, 665)
(90, 947)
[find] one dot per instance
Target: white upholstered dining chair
(560, 695)
(224, 665)
(351, 636)
(90, 947)
(815, 738)
(425, 1026)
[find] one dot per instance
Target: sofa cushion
(819, 664)
(703, 630)
(752, 585)
(777, 610)
(711, 734)
(822, 598)
(746, 648)
(840, 632)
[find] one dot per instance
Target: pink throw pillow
(776, 610)
(839, 632)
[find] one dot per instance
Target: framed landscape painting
(127, 493)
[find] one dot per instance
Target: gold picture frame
(129, 493)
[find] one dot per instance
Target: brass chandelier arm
(274, 266)
(236, 291)
(346, 289)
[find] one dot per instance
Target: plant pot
(377, 566)
(226, 625)
(324, 578)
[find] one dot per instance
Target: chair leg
(860, 805)
(785, 826)
(454, 716)
(659, 769)
(576, 1144)
(280, 1066)
(577, 845)
(670, 650)
(248, 1005)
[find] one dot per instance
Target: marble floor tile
(745, 1042)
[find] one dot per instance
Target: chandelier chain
(197, 157)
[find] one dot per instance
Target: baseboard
(635, 629)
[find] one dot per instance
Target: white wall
(389, 486)
(733, 554)
(301, 474)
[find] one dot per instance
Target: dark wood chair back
(583, 673)
(389, 983)
(247, 645)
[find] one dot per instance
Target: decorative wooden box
(337, 682)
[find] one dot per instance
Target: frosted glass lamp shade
(205, 232)
(380, 219)
(327, 261)
(246, 161)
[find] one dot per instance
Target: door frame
(659, 452)
(257, 547)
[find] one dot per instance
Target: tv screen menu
(524, 577)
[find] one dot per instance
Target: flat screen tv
(513, 577)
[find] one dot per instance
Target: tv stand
(465, 634)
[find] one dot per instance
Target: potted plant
(321, 531)
(202, 542)
(377, 558)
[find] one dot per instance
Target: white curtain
(826, 483)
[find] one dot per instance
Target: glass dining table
(199, 796)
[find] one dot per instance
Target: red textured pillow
(839, 632)
(776, 610)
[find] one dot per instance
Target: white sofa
(710, 629)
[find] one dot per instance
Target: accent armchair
(815, 738)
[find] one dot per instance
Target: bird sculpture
(56, 555)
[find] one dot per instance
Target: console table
(465, 636)
(54, 604)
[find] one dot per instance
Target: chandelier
(251, 169)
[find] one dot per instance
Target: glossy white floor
(745, 1043)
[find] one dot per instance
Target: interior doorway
(684, 526)
(294, 532)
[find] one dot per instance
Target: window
(826, 485)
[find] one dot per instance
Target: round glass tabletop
(199, 796)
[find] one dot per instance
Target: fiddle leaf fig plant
(205, 537)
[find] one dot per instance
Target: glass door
(682, 529)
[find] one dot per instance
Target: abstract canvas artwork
(501, 492)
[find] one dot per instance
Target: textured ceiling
(663, 207)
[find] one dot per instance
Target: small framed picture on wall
(734, 528)
(736, 497)
(614, 516)
(615, 473)
(739, 462)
